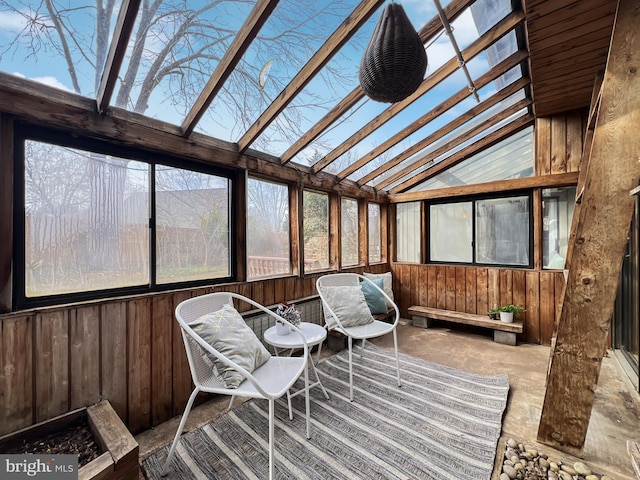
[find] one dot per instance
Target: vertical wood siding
(129, 351)
(477, 289)
(559, 142)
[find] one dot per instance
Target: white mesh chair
(270, 381)
(375, 328)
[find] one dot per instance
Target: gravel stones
(523, 462)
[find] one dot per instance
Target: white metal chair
(374, 329)
(270, 381)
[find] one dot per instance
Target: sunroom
(152, 152)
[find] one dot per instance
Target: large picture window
(502, 231)
(375, 235)
(488, 231)
(408, 237)
(451, 232)
(350, 231)
(97, 221)
(316, 230)
(192, 225)
(268, 229)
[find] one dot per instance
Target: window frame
(380, 240)
(473, 199)
(26, 132)
(303, 240)
(292, 191)
(358, 254)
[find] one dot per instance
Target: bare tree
(174, 48)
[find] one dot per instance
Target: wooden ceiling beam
(583, 329)
(41, 105)
(117, 51)
(540, 181)
(491, 36)
(426, 33)
(467, 135)
(434, 113)
(325, 122)
(338, 38)
(451, 11)
(448, 128)
(247, 33)
(485, 142)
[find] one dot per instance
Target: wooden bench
(502, 332)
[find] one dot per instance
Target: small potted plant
(291, 314)
(494, 313)
(507, 312)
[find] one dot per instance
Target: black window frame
(25, 132)
(473, 199)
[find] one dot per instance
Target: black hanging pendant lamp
(394, 63)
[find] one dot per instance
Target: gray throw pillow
(349, 305)
(227, 332)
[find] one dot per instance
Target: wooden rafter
(434, 113)
(117, 50)
(247, 33)
(426, 33)
(458, 157)
(446, 129)
(340, 36)
(600, 239)
(527, 183)
(491, 36)
(452, 11)
(325, 122)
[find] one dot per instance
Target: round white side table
(314, 334)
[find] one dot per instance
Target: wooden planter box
(120, 457)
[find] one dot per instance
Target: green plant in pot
(506, 312)
(494, 313)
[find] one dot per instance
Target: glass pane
(450, 232)
(349, 232)
(268, 229)
(68, 53)
(502, 231)
(375, 252)
(86, 221)
(294, 31)
(316, 231)
(557, 211)
(509, 158)
(192, 225)
(175, 47)
(408, 232)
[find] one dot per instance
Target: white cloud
(419, 11)
(46, 80)
(12, 21)
(464, 29)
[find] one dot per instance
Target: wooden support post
(6, 213)
(600, 240)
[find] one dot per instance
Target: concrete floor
(614, 420)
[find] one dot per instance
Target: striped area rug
(441, 424)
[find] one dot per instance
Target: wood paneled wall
(128, 351)
(478, 289)
(559, 142)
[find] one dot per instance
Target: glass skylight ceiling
(173, 51)
(510, 158)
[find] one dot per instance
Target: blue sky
(50, 69)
